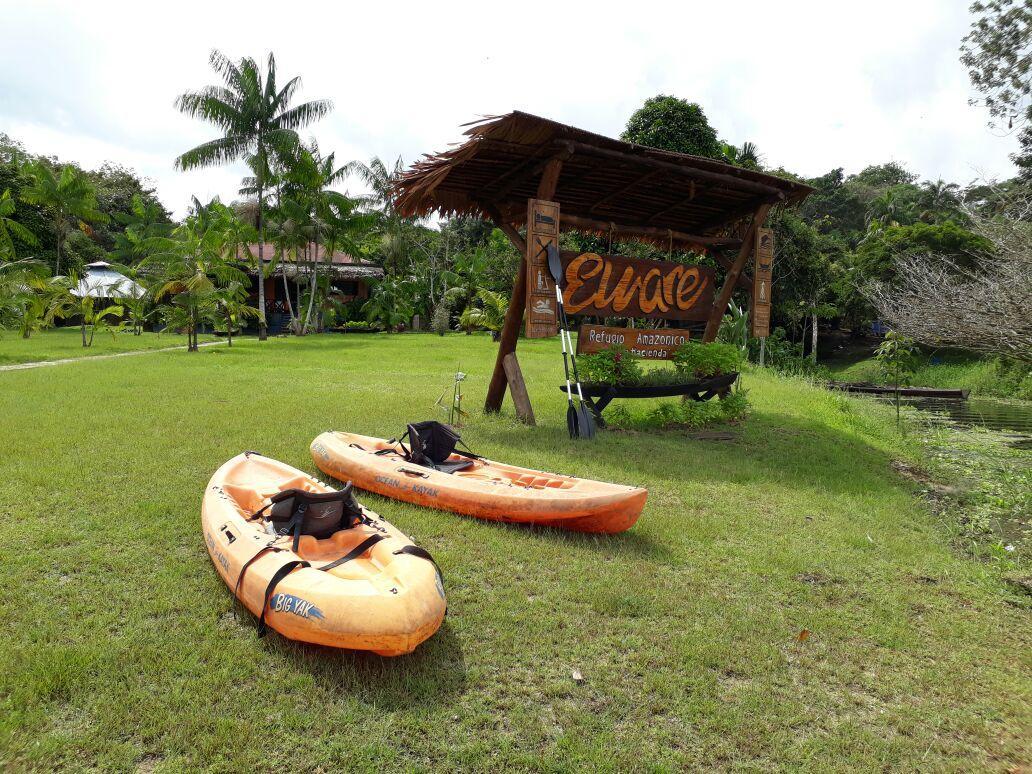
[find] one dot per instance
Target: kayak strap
(354, 553)
(422, 553)
(280, 574)
(295, 564)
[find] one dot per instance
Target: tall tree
(673, 124)
(67, 195)
(998, 55)
(259, 125)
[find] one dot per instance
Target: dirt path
(62, 361)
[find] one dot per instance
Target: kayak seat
(431, 445)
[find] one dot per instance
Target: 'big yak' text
(616, 286)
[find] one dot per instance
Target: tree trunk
(263, 330)
(57, 233)
(813, 339)
(82, 331)
(311, 292)
(229, 329)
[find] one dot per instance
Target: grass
(983, 376)
(120, 651)
(59, 343)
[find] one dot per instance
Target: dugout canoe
(486, 489)
(864, 388)
(380, 598)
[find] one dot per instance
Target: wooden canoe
(905, 392)
(381, 600)
(487, 490)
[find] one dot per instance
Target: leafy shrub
(697, 359)
(785, 358)
(613, 365)
(680, 414)
(442, 316)
(358, 325)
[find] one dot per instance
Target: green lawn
(120, 650)
(59, 343)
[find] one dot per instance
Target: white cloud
(815, 85)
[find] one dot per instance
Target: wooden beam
(744, 280)
(529, 172)
(721, 302)
(652, 232)
(505, 227)
(625, 188)
(730, 178)
(677, 204)
(727, 217)
(518, 389)
(514, 314)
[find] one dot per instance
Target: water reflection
(1012, 419)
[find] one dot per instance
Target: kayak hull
(488, 490)
(383, 602)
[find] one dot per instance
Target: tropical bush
(613, 365)
(688, 414)
(699, 360)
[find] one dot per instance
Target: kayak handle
(411, 472)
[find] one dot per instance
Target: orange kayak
(385, 598)
(486, 489)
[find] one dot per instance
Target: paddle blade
(571, 421)
(586, 422)
(555, 265)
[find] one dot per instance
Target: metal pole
(763, 341)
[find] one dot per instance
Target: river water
(1013, 420)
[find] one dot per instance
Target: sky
(815, 85)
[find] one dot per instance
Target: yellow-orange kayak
(385, 597)
(486, 489)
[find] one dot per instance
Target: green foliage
(897, 358)
(11, 229)
(688, 414)
(696, 359)
(673, 124)
(487, 313)
(613, 365)
(441, 320)
(783, 357)
(69, 196)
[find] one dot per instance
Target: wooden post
(514, 315)
(518, 389)
(721, 302)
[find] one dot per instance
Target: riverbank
(787, 600)
(987, 377)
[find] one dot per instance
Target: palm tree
(10, 229)
(193, 266)
(230, 306)
(259, 125)
(30, 298)
(489, 315)
(70, 195)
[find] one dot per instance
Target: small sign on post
(542, 231)
(762, 276)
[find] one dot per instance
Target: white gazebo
(101, 281)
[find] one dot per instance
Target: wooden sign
(616, 286)
(542, 230)
(651, 344)
(762, 276)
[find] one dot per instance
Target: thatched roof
(602, 181)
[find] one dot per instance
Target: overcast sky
(816, 85)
